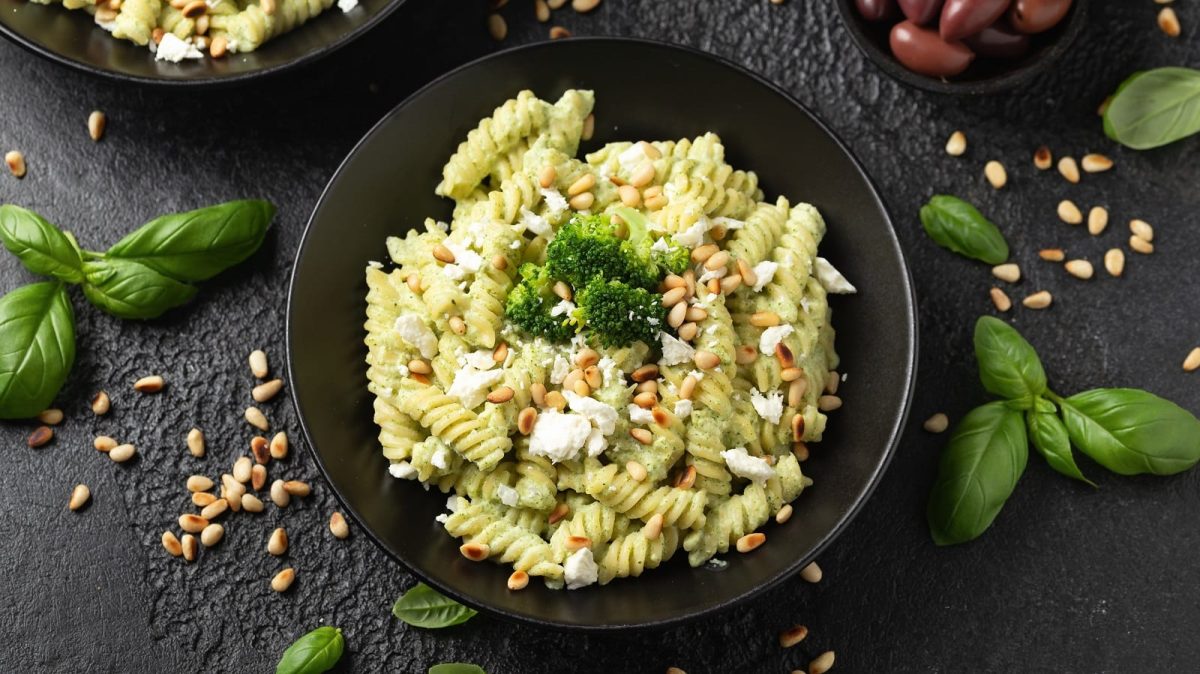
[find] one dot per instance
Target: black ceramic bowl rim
(894, 434)
(208, 81)
(1004, 82)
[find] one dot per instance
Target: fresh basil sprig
(423, 606)
(1154, 108)
(40, 246)
(128, 289)
(958, 226)
(315, 652)
(1127, 431)
(38, 347)
(456, 668)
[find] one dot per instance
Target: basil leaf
(129, 289)
(456, 668)
(315, 652)
(1008, 365)
(38, 348)
(41, 246)
(1131, 432)
(956, 225)
(1154, 108)
(197, 245)
(977, 473)
(423, 606)
(1049, 437)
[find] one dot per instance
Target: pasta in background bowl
(637, 479)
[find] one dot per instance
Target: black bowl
(985, 76)
(72, 38)
(386, 186)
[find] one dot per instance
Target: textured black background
(1068, 580)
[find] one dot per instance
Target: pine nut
(584, 6)
(1140, 245)
(500, 395)
(1141, 229)
(283, 580)
(832, 381)
(645, 400)
(414, 284)
(791, 374)
(193, 524)
(338, 526)
(279, 495)
(822, 663)
(784, 514)
(637, 471)
(279, 446)
(1080, 269)
(202, 499)
(232, 490)
(1192, 362)
(212, 535)
(747, 273)
(50, 417)
(219, 47)
(537, 391)
(497, 26)
(16, 163)
(764, 319)
(706, 360)
(995, 174)
(122, 453)
(215, 509)
(79, 497)
(717, 261)
(581, 388)
(574, 543)
(526, 419)
(645, 373)
(1007, 272)
(1096, 163)
(500, 353)
(195, 442)
(688, 331)
(258, 363)
(937, 423)
(701, 254)
(257, 419)
(629, 196)
(791, 637)
(251, 503)
(151, 384)
(653, 527)
(796, 392)
(556, 400)
(784, 355)
(1114, 261)
(194, 9)
(583, 201)
(687, 387)
(593, 377)
(458, 325)
(677, 315)
(957, 144)
(1052, 254)
(171, 544)
(560, 511)
(1042, 158)
(1168, 22)
(751, 541)
(642, 175)
(800, 450)
(1069, 169)
(695, 313)
(714, 286)
(547, 176)
(746, 354)
(811, 573)
(264, 392)
(587, 357)
(585, 183)
(568, 383)
(673, 297)
(277, 544)
(103, 443)
(258, 449)
(189, 547)
(40, 436)
(686, 479)
(641, 435)
(1000, 299)
(297, 488)
(499, 262)
(101, 404)
(476, 552)
(1038, 300)
(1069, 213)
(562, 290)
(443, 254)
(519, 580)
(828, 403)
(241, 469)
(1097, 220)
(199, 483)
(731, 283)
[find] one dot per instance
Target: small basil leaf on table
(1154, 108)
(1130, 431)
(958, 226)
(1008, 365)
(978, 471)
(1049, 438)
(422, 606)
(199, 244)
(128, 289)
(315, 652)
(456, 668)
(37, 350)
(41, 247)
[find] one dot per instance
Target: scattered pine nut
(751, 541)
(476, 552)
(283, 580)
(277, 544)
(630, 196)
(257, 419)
(687, 478)
(1114, 261)
(258, 476)
(642, 435)
(215, 509)
(1192, 362)
(95, 124)
(101, 404)
(500, 395)
(584, 6)
(1141, 229)
(653, 527)
(642, 176)
(199, 483)
(637, 471)
(202, 499)
(828, 403)
(1052, 254)
(582, 201)
(251, 503)
(499, 261)
(1069, 213)
(51, 417)
(498, 27)
(258, 363)
(706, 360)
(519, 580)
(1140, 245)
(526, 419)
(297, 488)
(574, 543)
(812, 573)
(784, 514)
(264, 392)
(279, 446)
(500, 353)
(219, 47)
(241, 469)
(1096, 163)
(40, 436)
(1168, 22)
(1000, 299)
(822, 663)
(193, 524)
(1080, 269)
(258, 449)
(443, 254)
(122, 453)
(190, 547)
(556, 4)
(957, 144)
(1097, 220)
(793, 636)
(1009, 272)
(16, 163)
(937, 423)
(995, 174)
(583, 184)
(79, 497)
(171, 544)
(547, 176)
(151, 384)
(798, 427)
(560, 511)
(212, 534)
(1039, 300)
(338, 526)
(542, 11)
(195, 442)
(103, 443)
(1042, 158)
(280, 496)
(1069, 169)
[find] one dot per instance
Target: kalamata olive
(921, 12)
(961, 18)
(1035, 16)
(876, 10)
(999, 41)
(923, 51)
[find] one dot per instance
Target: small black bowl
(72, 38)
(984, 76)
(385, 187)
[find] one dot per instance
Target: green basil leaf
(1049, 438)
(423, 606)
(128, 289)
(41, 247)
(977, 473)
(38, 348)
(456, 668)
(1154, 108)
(315, 652)
(1131, 432)
(197, 245)
(1045, 406)
(1008, 365)
(957, 225)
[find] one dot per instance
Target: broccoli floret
(588, 247)
(673, 260)
(618, 314)
(529, 305)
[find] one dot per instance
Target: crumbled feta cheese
(683, 408)
(596, 443)
(563, 308)
(769, 407)
(441, 458)
(414, 331)
(602, 415)
(174, 49)
(402, 470)
(805, 306)
(674, 351)
(471, 386)
(845, 376)
(632, 157)
(480, 360)
(697, 374)
(764, 271)
(560, 369)
(454, 272)
(403, 370)
(661, 246)
(832, 279)
(750, 467)
(515, 244)
(772, 336)
(693, 236)
(557, 436)
(717, 564)
(555, 201)
(728, 223)
(709, 274)
(442, 519)
(639, 415)
(452, 503)
(374, 265)
(347, 5)
(507, 495)
(609, 370)
(536, 223)
(580, 569)
(469, 260)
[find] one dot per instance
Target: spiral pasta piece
(252, 26)
(633, 553)
(506, 540)
(596, 522)
(459, 427)
(639, 500)
(136, 20)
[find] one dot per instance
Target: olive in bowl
(963, 46)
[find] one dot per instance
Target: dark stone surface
(1068, 580)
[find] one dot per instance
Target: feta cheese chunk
(174, 49)
(638, 415)
(683, 408)
(580, 569)
(536, 223)
(608, 369)
(632, 157)
(558, 436)
(694, 236)
(441, 458)
(563, 308)
(402, 470)
(560, 369)
(480, 360)
(771, 337)
(555, 201)
(602, 415)
(347, 5)
(742, 464)
(464, 257)
(596, 443)
(831, 279)
(471, 386)
(661, 246)
(414, 331)
(507, 495)
(675, 351)
(764, 271)
(768, 407)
